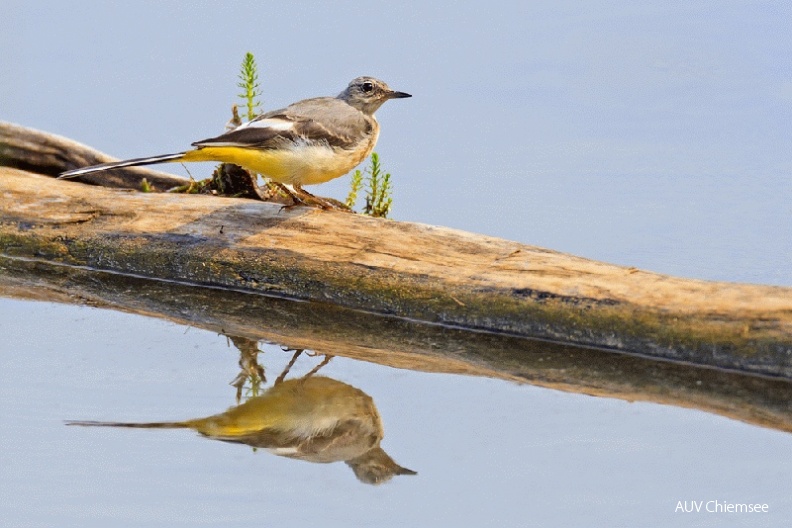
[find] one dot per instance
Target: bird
(309, 142)
(316, 419)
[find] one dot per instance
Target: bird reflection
(312, 418)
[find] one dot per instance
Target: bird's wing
(347, 439)
(324, 120)
(266, 438)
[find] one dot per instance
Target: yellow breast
(298, 163)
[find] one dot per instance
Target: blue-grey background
(649, 134)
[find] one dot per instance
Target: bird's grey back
(322, 120)
(331, 114)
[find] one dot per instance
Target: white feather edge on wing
(273, 123)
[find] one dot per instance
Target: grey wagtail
(309, 142)
(315, 418)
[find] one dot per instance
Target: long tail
(126, 163)
(149, 425)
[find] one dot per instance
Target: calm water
(486, 451)
(649, 136)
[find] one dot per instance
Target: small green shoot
(355, 185)
(378, 191)
(378, 194)
(248, 81)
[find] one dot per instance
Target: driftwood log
(397, 269)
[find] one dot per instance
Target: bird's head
(367, 94)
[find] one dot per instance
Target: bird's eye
(367, 86)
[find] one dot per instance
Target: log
(397, 269)
(329, 329)
(42, 153)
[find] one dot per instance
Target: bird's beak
(398, 95)
(404, 470)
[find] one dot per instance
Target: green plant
(145, 186)
(249, 83)
(378, 194)
(378, 189)
(354, 187)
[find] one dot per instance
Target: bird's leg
(324, 362)
(324, 203)
(302, 197)
(296, 200)
(286, 370)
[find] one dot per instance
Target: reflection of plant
(251, 388)
(251, 375)
(378, 191)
